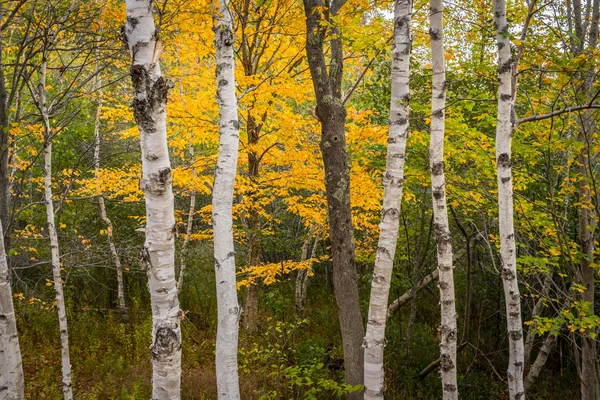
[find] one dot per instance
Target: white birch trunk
(393, 179)
(227, 301)
(102, 205)
(11, 365)
(55, 252)
(508, 256)
(440, 209)
(158, 254)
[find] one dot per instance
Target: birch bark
(508, 257)
(440, 208)
(11, 365)
(540, 360)
(102, 205)
(55, 251)
(227, 301)
(158, 254)
(393, 179)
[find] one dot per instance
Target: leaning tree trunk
(540, 361)
(392, 198)
(55, 252)
(11, 366)
(158, 254)
(102, 205)
(223, 189)
(440, 211)
(508, 255)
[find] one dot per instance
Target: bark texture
(443, 236)
(109, 226)
(55, 251)
(227, 301)
(12, 385)
(508, 253)
(393, 180)
(158, 254)
(330, 111)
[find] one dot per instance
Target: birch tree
(158, 254)
(11, 365)
(440, 208)
(49, 133)
(222, 219)
(508, 257)
(392, 198)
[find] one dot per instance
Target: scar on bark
(504, 160)
(166, 341)
(437, 168)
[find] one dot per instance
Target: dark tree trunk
(332, 114)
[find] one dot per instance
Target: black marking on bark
(443, 285)
(235, 123)
(435, 34)
(166, 341)
(405, 98)
(438, 114)
(222, 82)
(448, 387)
(437, 168)
(503, 160)
(500, 45)
(446, 363)
(145, 261)
(505, 179)
(515, 335)
(399, 121)
(507, 274)
(151, 157)
(162, 290)
(443, 90)
(123, 35)
(505, 97)
(438, 194)
(506, 67)
(133, 22)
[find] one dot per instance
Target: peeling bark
(508, 253)
(393, 180)
(158, 254)
(12, 385)
(227, 301)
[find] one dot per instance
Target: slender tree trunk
(158, 254)
(449, 334)
(537, 310)
(393, 180)
(302, 278)
(508, 256)
(253, 130)
(540, 361)
(331, 113)
(587, 273)
(103, 214)
(11, 365)
(188, 230)
(55, 252)
(227, 301)
(4, 149)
